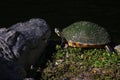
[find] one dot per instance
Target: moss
(75, 63)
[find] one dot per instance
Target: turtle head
(58, 32)
(63, 40)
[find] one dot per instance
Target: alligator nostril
(1, 49)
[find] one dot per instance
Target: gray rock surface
(117, 48)
(20, 46)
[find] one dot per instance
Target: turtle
(85, 34)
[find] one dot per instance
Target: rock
(117, 48)
(20, 46)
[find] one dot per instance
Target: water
(62, 13)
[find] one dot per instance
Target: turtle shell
(86, 33)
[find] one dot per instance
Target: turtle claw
(66, 46)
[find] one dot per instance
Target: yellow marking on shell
(77, 44)
(70, 43)
(84, 45)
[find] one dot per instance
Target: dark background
(62, 13)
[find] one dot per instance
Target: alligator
(21, 45)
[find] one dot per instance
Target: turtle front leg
(64, 43)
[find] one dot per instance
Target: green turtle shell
(86, 32)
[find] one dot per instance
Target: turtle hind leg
(109, 48)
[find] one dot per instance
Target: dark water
(62, 13)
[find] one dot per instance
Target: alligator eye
(44, 39)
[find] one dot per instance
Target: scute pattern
(86, 32)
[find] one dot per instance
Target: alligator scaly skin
(20, 46)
